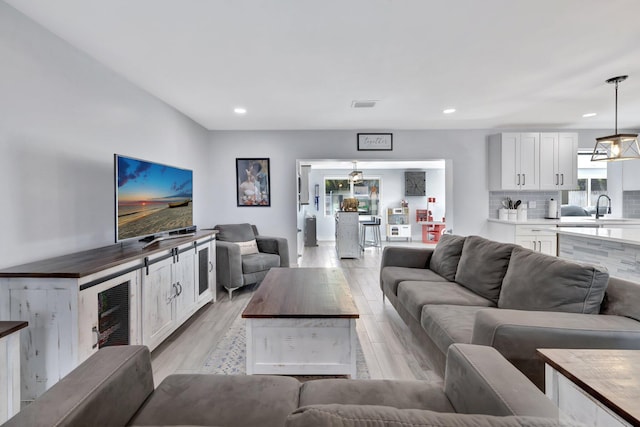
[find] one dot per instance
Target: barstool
(375, 225)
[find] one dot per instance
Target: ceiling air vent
(363, 104)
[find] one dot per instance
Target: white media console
(119, 294)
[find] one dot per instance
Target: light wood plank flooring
(388, 345)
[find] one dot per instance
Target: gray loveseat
(474, 290)
(115, 387)
(244, 257)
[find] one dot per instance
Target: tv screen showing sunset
(151, 198)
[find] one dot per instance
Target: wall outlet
(532, 204)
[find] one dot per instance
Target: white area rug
(229, 355)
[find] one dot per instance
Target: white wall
(465, 151)
(62, 117)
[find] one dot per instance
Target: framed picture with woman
(252, 182)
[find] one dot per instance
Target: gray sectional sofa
(477, 291)
(114, 387)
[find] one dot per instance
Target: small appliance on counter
(552, 211)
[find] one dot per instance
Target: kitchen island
(616, 249)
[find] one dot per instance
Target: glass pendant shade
(621, 146)
(356, 176)
(616, 147)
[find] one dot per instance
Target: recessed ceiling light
(449, 111)
(589, 114)
(240, 110)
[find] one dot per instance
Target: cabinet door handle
(557, 179)
(539, 245)
(179, 288)
(94, 330)
(562, 181)
(524, 179)
(534, 245)
(518, 180)
(210, 266)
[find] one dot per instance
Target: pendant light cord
(616, 132)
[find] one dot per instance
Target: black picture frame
(375, 142)
(253, 182)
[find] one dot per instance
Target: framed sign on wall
(375, 142)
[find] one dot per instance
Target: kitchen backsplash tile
(631, 204)
(540, 197)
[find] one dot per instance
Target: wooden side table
(594, 387)
(10, 369)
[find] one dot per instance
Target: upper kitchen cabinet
(514, 161)
(631, 175)
(558, 161)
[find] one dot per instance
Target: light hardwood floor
(387, 344)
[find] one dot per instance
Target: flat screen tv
(152, 199)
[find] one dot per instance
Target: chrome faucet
(598, 215)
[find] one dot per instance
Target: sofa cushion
(414, 295)
(259, 262)
(397, 393)
(235, 232)
(449, 324)
(446, 255)
(482, 266)
(220, 400)
(336, 415)
(392, 276)
(535, 281)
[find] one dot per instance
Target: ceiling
(299, 64)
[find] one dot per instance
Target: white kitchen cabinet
(514, 160)
(631, 175)
(558, 161)
(540, 238)
(537, 239)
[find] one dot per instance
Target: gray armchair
(235, 269)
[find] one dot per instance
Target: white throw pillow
(248, 247)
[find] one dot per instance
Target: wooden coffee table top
(302, 293)
(610, 376)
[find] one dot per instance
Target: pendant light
(356, 176)
(620, 146)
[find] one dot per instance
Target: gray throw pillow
(235, 232)
(540, 282)
(446, 255)
(483, 265)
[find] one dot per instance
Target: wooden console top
(8, 327)
(302, 293)
(610, 376)
(88, 262)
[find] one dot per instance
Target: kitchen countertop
(573, 221)
(621, 235)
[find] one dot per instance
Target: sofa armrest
(478, 380)
(516, 334)
(399, 256)
(107, 388)
(228, 264)
(275, 245)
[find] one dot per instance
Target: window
(367, 192)
(592, 182)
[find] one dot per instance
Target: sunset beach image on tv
(151, 198)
